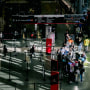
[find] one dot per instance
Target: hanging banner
(52, 36)
(48, 45)
(54, 80)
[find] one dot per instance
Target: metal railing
(29, 86)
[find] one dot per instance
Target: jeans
(81, 77)
(79, 48)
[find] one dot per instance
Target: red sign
(54, 80)
(32, 35)
(48, 45)
(54, 87)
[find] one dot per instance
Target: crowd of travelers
(71, 56)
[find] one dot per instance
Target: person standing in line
(66, 35)
(81, 72)
(4, 50)
(80, 44)
(33, 50)
(86, 44)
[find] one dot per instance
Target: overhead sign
(23, 18)
(47, 19)
(38, 19)
(74, 17)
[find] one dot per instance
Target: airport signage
(47, 19)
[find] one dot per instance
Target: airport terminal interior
(44, 44)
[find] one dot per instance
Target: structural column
(80, 6)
